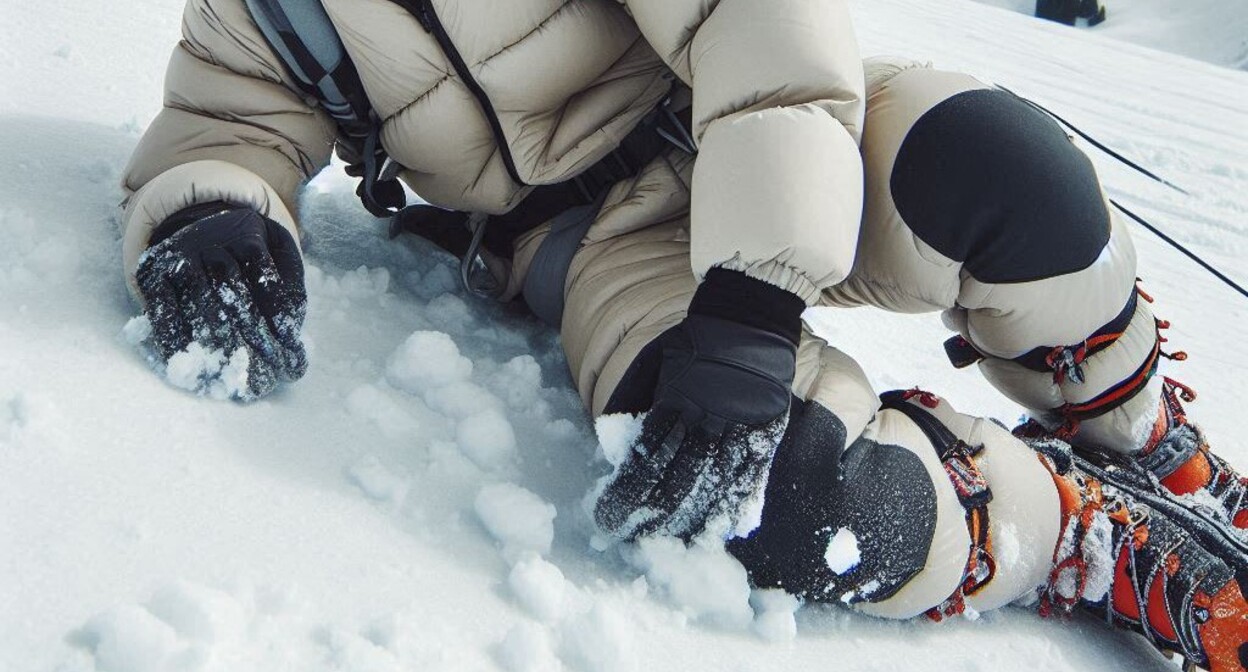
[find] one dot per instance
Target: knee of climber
(877, 521)
(992, 183)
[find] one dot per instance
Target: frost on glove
(224, 293)
(718, 388)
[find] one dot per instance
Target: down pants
(978, 207)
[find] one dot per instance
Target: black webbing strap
(971, 487)
(641, 146)
(304, 39)
(962, 353)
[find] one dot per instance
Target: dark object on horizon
(1068, 11)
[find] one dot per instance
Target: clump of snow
(199, 613)
(461, 399)
(451, 313)
(518, 382)
(376, 480)
(528, 647)
(601, 641)
(130, 638)
(616, 434)
(391, 417)
(137, 330)
(842, 554)
(487, 438)
(518, 519)
(427, 360)
(540, 588)
(774, 614)
(701, 579)
(210, 372)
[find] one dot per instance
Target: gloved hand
(230, 280)
(722, 383)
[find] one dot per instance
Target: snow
(701, 579)
(616, 434)
(334, 525)
(1210, 30)
(842, 554)
(516, 518)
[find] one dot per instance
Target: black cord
(1096, 143)
(1143, 171)
(1175, 244)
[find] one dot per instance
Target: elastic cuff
(186, 217)
(733, 295)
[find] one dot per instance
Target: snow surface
(1210, 30)
(338, 524)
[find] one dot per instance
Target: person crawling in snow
(671, 183)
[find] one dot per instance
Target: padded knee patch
(989, 181)
(818, 487)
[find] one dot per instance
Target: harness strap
(662, 128)
(1062, 360)
(304, 39)
(971, 487)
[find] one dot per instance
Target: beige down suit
(778, 99)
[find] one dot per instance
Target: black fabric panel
(987, 180)
(817, 486)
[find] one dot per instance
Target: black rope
(1173, 243)
(1096, 143)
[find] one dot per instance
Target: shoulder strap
(303, 37)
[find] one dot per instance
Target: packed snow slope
(415, 503)
(1210, 30)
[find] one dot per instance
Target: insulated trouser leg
(861, 508)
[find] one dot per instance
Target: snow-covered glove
(226, 282)
(721, 385)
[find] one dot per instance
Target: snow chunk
(210, 372)
(842, 554)
(450, 312)
(137, 330)
(540, 587)
(129, 639)
(376, 481)
(460, 400)
(702, 579)
(427, 360)
(487, 438)
(369, 403)
(520, 520)
(199, 613)
(775, 611)
(518, 382)
(528, 648)
(616, 434)
(601, 641)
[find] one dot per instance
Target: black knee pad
(817, 486)
(989, 181)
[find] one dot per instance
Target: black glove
(231, 280)
(718, 386)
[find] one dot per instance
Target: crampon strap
(971, 487)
